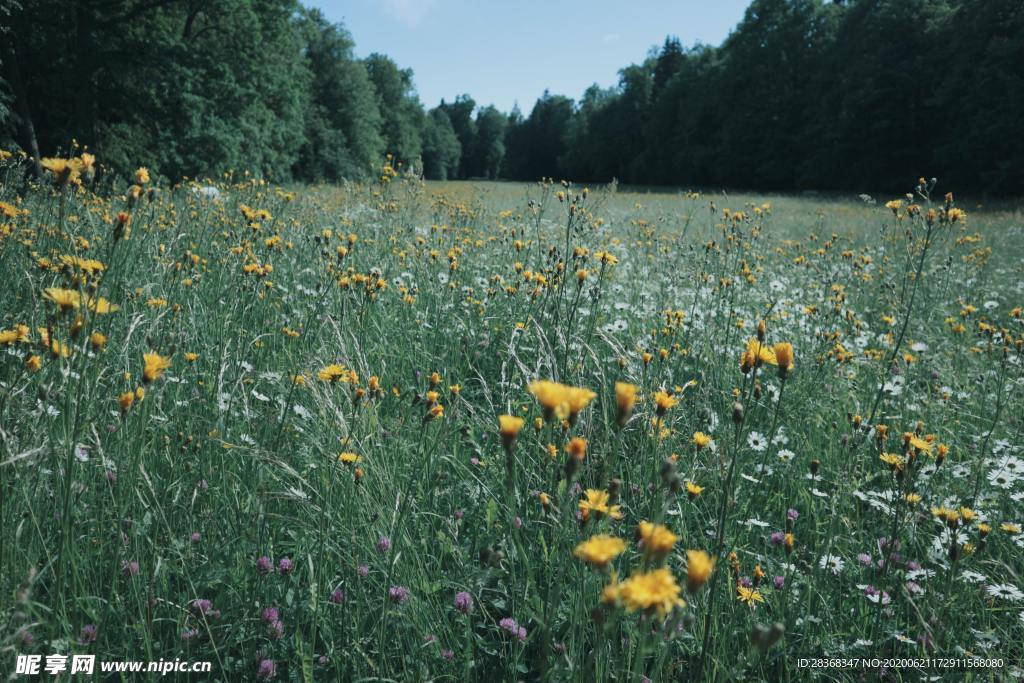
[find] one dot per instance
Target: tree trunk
(26, 129)
(85, 66)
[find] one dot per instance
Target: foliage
(803, 94)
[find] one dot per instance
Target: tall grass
(865, 502)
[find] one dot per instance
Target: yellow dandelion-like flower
(599, 550)
(699, 566)
(664, 401)
(783, 356)
(559, 400)
(126, 400)
(893, 460)
(155, 365)
(922, 445)
(748, 595)
(66, 299)
(101, 306)
(656, 590)
(509, 425)
(656, 540)
(597, 503)
(625, 400)
(333, 373)
(577, 448)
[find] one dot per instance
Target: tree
(460, 113)
(441, 147)
(343, 122)
(401, 112)
(489, 143)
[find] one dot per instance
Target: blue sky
(506, 52)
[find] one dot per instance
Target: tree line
(803, 94)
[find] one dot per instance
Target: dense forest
(803, 94)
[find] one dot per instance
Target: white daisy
(756, 441)
(973, 577)
(833, 563)
(1001, 479)
(1004, 591)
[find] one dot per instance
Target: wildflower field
(413, 431)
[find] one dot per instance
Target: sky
(508, 52)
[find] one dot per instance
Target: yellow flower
(611, 592)
(89, 266)
(756, 354)
(155, 364)
(333, 373)
(656, 539)
(625, 400)
(509, 426)
(577, 448)
(599, 550)
(699, 566)
(559, 400)
(349, 458)
(101, 306)
(1010, 528)
(12, 336)
(748, 595)
(126, 400)
(784, 356)
(664, 401)
(33, 363)
(920, 444)
(692, 490)
(578, 399)
(66, 299)
(142, 176)
(597, 502)
(654, 590)
(66, 170)
(98, 340)
(893, 460)
(191, 357)
(701, 440)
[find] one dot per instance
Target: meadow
(408, 430)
